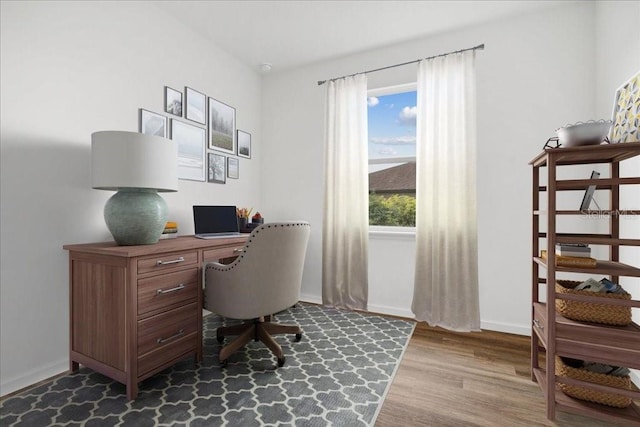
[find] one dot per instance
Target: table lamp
(137, 166)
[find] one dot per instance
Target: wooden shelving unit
(552, 334)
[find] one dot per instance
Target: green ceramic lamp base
(136, 216)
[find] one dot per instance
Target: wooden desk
(135, 310)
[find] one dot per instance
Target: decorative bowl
(583, 133)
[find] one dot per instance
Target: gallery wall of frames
(209, 145)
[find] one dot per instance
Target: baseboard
(28, 379)
(313, 299)
(392, 311)
(508, 328)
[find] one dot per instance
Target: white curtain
(346, 203)
(446, 277)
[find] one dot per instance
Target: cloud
(394, 140)
(408, 116)
(386, 151)
(372, 101)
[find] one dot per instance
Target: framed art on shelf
(172, 101)
(233, 167)
(191, 141)
(196, 106)
(626, 112)
(222, 127)
(152, 123)
(217, 168)
(244, 144)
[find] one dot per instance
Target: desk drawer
(220, 253)
(167, 261)
(171, 352)
(167, 328)
(168, 289)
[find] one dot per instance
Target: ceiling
(290, 34)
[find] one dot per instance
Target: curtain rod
(479, 47)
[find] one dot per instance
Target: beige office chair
(262, 281)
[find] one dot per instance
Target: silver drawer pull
(537, 323)
(173, 261)
(172, 337)
(167, 291)
(238, 251)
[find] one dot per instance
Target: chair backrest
(265, 278)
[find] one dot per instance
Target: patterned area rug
(337, 375)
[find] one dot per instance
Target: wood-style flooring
(473, 379)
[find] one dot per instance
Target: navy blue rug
(338, 375)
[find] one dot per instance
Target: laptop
(215, 222)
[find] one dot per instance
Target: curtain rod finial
(321, 82)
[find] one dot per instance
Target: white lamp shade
(122, 159)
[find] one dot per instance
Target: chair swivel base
(257, 330)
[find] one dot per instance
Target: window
(392, 156)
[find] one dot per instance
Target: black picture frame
(222, 127)
(216, 170)
(196, 106)
(233, 167)
(244, 144)
(151, 123)
(588, 194)
(172, 101)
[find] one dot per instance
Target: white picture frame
(196, 106)
(151, 123)
(191, 141)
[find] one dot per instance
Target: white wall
(536, 74)
(617, 59)
(69, 69)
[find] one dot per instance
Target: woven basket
(609, 399)
(589, 311)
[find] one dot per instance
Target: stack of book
(573, 250)
(577, 258)
(170, 230)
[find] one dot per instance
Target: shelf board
(592, 239)
(582, 184)
(610, 268)
(605, 153)
(603, 213)
(565, 403)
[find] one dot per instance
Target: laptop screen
(215, 219)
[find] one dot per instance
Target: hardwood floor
(477, 379)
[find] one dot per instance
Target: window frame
(391, 230)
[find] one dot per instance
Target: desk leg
(132, 389)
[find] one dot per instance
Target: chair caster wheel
(281, 361)
(220, 338)
(223, 363)
(298, 337)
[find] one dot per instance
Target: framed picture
(152, 123)
(196, 106)
(191, 141)
(222, 127)
(233, 167)
(217, 168)
(244, 144)
(626, 112)
(588, 193)
(172, 101)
